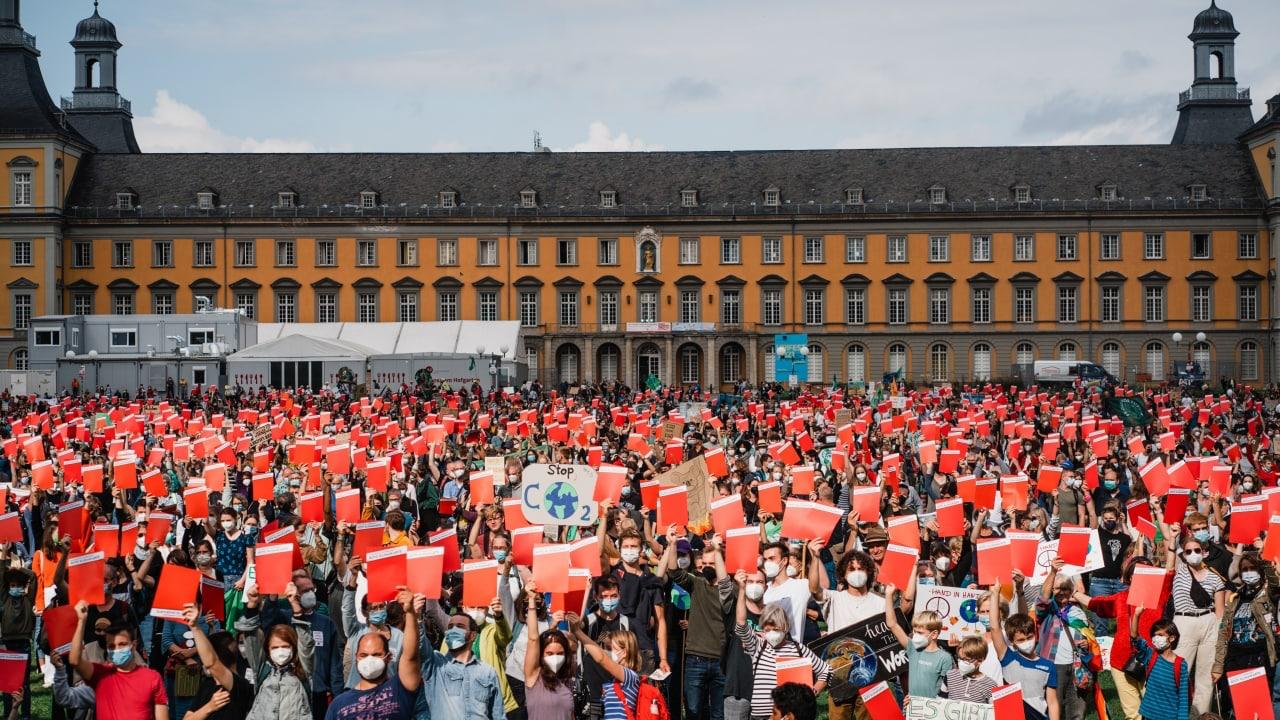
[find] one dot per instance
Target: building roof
(489, 184)
(395, 338)
(95, 29)
(111, 132)
(1213, 21)
(26, 108)
(304, 347)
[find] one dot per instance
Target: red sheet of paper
(950, 518)
(368, 537)
(1144, 589)
(213, 597)
(609, 482)
(481, 486)
(448, 539)
(177, 588)
(1006, 703)
(904, 530)
(196, 500)
(880, 702)
(60, 625)
(480, 582)
(522, 543)
(794, 670)
(1250, 694)
(1246, 523)
(424, 567)
(716, 464)
(273, 567)
(866, 503)
(727, 513)
(348, 505)
(1023, 549)
(806, 520)
(551, 567)
(158, 526)
(585, 554)
(673, 507)
(85, 578)
(742, 549)
(995, 562)
(311, 507)
(769, 497)
(13, 671)
(899, 562)
(386, 570)
(1073, 544)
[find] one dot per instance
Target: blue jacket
(326, 675)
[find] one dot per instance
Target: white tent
(393, 338)
(305, 347)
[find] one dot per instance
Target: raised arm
(891, 617)
(602, 658)
(410, 655)
(815, 569)
(993, 612)
(79, 662)
(220, 673)
(533, 651)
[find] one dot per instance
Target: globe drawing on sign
(561, 500)
(853, 663)
(969, 610)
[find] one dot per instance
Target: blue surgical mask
(500, 555)
(17, 592)
(455, 638)
(1110, 484)
(1201, 536)
(609, 604)
(626, 490)
(985, 622)
(378, 617)
(924, 581)
(120, 656)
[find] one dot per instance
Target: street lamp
(495, 363)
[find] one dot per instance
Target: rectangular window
(1110, 297)
(286, 200)
(1022, 194)
(247, 304)
(731, 307)
(527, 251)
(246, 255)
(980, 248)
(608, 198)
(22, 311)
(1024, 305)
(1109, 246)
(286, 307)
(897, 306)
(648, 306)
(567, 251)
(689, 250)
(1153, 303)
(82, 254)
(772, 306)
(1067, 247)
(204, 201)
(162, 303)
(446, 252)
(488, 251)
(82, 304)
(22, 187)
(1201, 246)
(48, 337)
(772, 198)
(815, 247)
(202, 253)
(855, 306)
(939, 248)
(569, 308)
(326, 253)
(367, 253)
(528, 198)
(608, 308)
(939, 306)
(730, 251)
(286, 254)
(368, 200)
(688, 198)
(122, 304)
(1248, 302)
(937, 196)
(815, 307)
(487, 306)
(1067, 304)
(855, 249)
(122, 253)
(690, 308)
(448, 199)
(407, 252)
(367, 307)
(326, 307)
(608, 251)
(124, 338)
(1247, 246)
(897, 249)
(1153, 246)
(1024, 248)
(771, 250)
(200, 336)
(528, 308)
(982, 305)
(22, 252)
(1201, 303)
(124, 201)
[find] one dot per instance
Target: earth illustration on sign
(852, 661)
(561, 500)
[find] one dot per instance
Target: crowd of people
(1166, 610)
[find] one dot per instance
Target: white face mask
(480, 615)
(1160, 642)
(1026, 647)
(281, 655)
(775, 637)
(856, 578)
(942, 563)
(771, 569)
(371, 667)
(1193, 558)
(966, 667)
(918, 641)
(682, 563)
(228, 525)
(553, 662)
(630, 555)
(860, 475)
(755, 591)
(1250, 577)
(792, 571)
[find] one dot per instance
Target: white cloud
(174, 126)
(600, 139)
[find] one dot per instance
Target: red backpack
(650, 704)
(1177, 672)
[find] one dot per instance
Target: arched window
(1248, 360)
(982, 362)
(93, 73)
(770, 366)
(815, 364)
(1025, 353)
(898, 358)
(1155, 360)
(1111, 358)
(690, 365)
(1068, 351)
(857, 368)
(609, 364)
(1216, 65)
(567, 363)
(1202, 353)
(20, 359)
(731, 363)
(939, 358)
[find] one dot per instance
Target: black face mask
(709, 573)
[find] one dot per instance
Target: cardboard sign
(958, 608)
(932, 708)
(693, 475)
(861, 655)
(1049, 551)
(559, 494)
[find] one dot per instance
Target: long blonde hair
(627, 639)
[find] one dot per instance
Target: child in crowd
(966, 681)
(929, 663)
(1168, 690)
(1022, 664)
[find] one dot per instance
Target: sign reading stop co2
(559, 494)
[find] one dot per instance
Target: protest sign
(559, 494)
(860, 655)
(693, 475)
(958, 608)
(1049, 552)
(935, 708)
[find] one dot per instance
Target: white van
(1065, 372)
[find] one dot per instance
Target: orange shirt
(45, 570)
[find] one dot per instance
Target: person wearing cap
(875, 540)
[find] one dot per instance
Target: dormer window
(286, 199)
(1109, 193)
(937, 195)
(688, 198)
(126, 201)
(1022, 194)
(205, 200)
(368, 200)
(1199, 193)
(608, 198)
(528, 198)
(853, 196)
(448, 199)
(772, 197)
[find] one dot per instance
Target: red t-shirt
(129, 695)
(1117, 606)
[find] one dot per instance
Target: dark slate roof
(25, 105)
(1213, 22)
(490, 183)
(1211, 122)
(111, 132)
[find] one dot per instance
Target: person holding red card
(126, 685)
(1243, 643)
(1167, 693)
(1199, 600)
(1021, 662)
(224, 693)
(385, 682)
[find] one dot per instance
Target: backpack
(650, 704)
(1177, 672)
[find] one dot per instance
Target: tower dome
(1213, 22)
(97, 29)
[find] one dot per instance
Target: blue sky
(420, 75)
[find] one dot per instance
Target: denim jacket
(453, 690)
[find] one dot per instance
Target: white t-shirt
(990, 666)
(793, 595)
(843, 609)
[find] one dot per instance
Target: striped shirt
(969, 688)
(1182, 602)
(1163, 698)
(613, 709)
(764, 659)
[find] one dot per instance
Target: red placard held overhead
(1145, 588)
(479, 582)
(742, 549)
(424, 567)
(551, 568)
(85, 578)
(386, 571)
(899, 562)
(273, 567)
(177, 588)
(727, 513)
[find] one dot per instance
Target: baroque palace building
(949, 264)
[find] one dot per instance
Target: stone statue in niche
(648, 250)
(648, 258)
